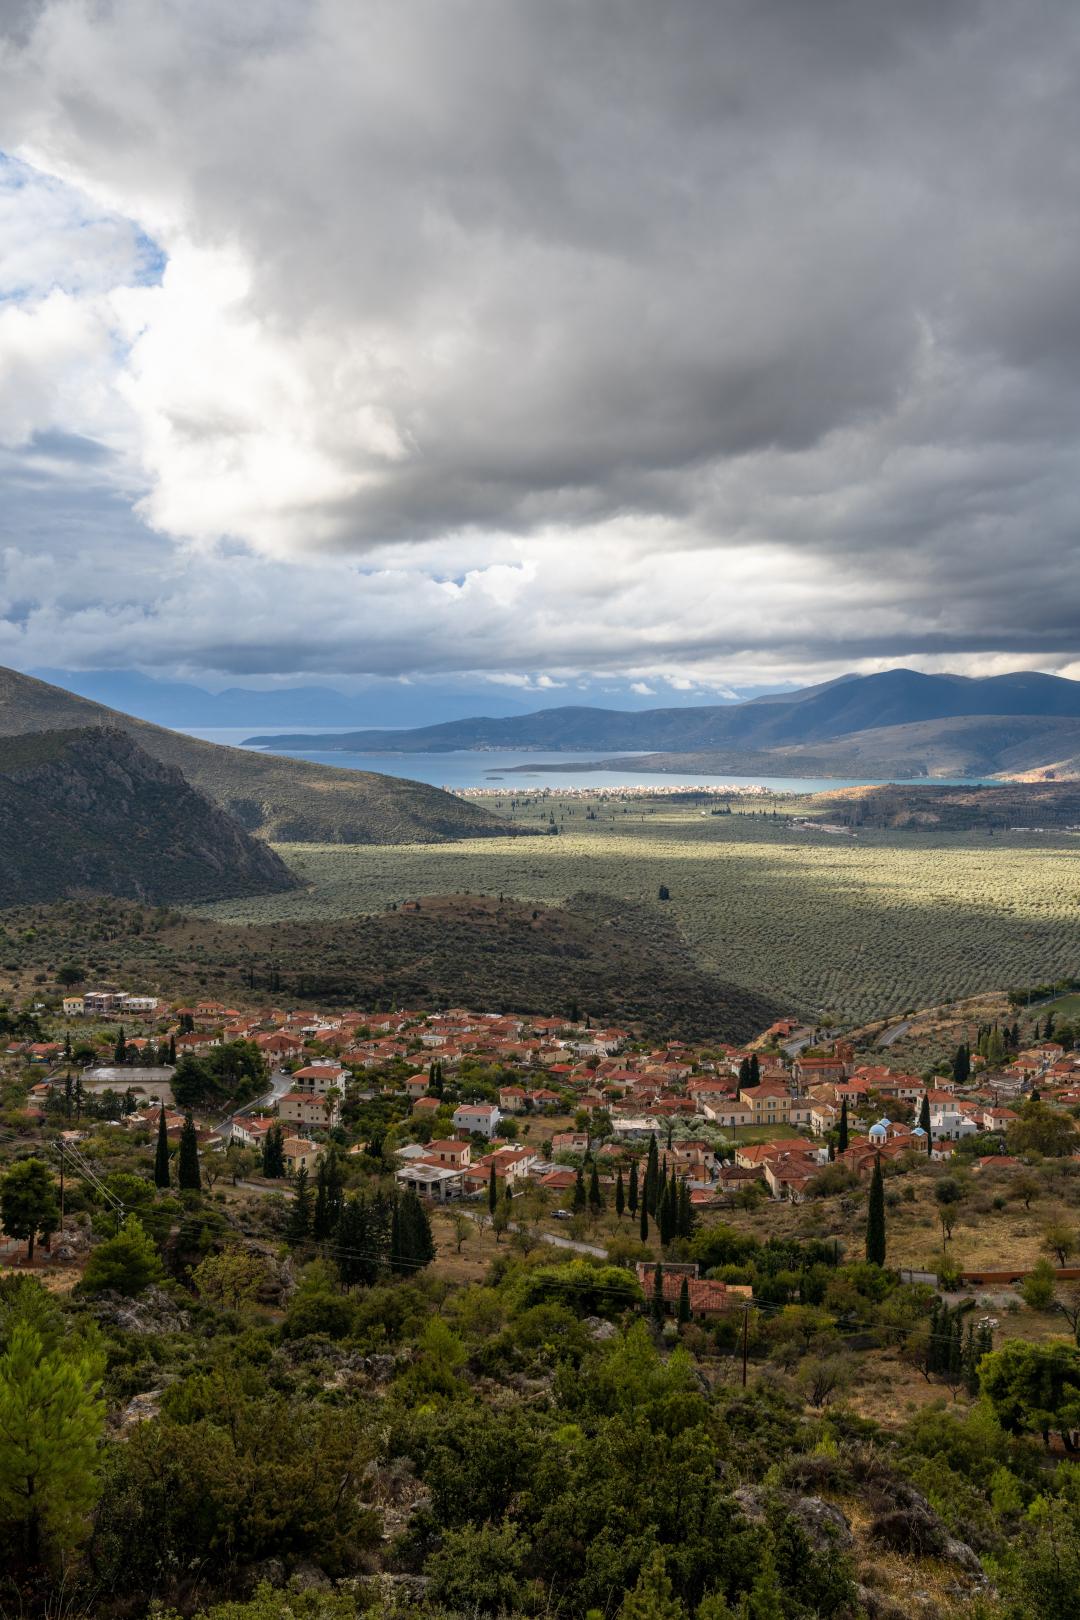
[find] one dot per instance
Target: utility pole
(745, 1335)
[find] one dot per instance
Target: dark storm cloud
(750, 324)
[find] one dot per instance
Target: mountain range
(284, 800)
(381, 703)
(898, 722)
(89, 810)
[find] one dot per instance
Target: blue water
(472, 769)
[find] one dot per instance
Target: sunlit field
(860, 927)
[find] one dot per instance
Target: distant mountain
(183, 705)
(91, 810)
(280, 799)
(872, 718)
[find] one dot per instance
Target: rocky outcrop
(90, 810)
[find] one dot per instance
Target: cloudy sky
(682, 347)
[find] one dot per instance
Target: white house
(949, 1124)
(482, 1117)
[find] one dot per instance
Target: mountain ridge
(278, 799)
(89, 810)
(868, 721)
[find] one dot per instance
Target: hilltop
(279, 799)
(90, 810)
(899, 722)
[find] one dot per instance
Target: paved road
(280, 1085)
(887, 1036)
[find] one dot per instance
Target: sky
(556, 347)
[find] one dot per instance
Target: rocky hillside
(90, 810)
(287, 800)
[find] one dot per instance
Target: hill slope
(283, 799)
(88, 809)
(897, 720)
(619, 961)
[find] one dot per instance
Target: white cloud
(498, 339)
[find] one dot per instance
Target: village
(467, 1103)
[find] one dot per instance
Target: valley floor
(862, 927)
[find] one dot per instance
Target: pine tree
(579, 1191)
(298, 1229)
(632, 1194)
(596, 1200)
(161, 1157)
(273, 1155)
(620, 1196)
(875, 1217)
(52, 1422)
(842, 1143)
(684, 1313)
(188, 1174)
(120, 1050)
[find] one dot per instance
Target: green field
(860, 928)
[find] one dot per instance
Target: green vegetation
(268, 794)
(865, 927)
(618, 962)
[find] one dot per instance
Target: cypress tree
(358, 1254)
(320, 1218)
(620, 1197)
(667, 1214)
(842, 1144)
(579, 1190)
(335, 1187)
(685, 1312)
(161, 1157)
(632, 1196)
(686, 1211)
(120, 1050)
(422, 1242)
(172, 1049)
(596, 1200)
(652, 1176)
(744, 1074)
(493, 1192)
(657, 1305)
(273, 1156)
(188, 1174)
(298, 1229)
(755, 1069)
(643, 1225)
(875, 1217)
